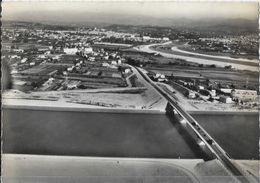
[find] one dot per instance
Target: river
(122, 135)
(239, 64)
(237, 134)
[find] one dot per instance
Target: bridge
(214, 150)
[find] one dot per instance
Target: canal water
(237, 134)
(122, 134)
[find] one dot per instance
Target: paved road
(207, 139)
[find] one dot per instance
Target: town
(52, 58)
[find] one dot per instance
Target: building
(165, 39)
(70, 51)
(87, 50)
(226, 91)
(191, 95)
(105, 64)
(244, 95)
(146, 38)
(212, 93)
(113, 62)
(24, 60)
(225, 99)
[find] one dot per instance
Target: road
(204, 136)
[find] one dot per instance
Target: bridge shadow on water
(188, 138)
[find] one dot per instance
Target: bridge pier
(169, 109)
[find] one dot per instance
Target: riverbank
(198, 59)
(170, 169)
(46, 106)
(184, 50)
(64, 106)
(224, 112)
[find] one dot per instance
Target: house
(165, 39)
(105, 64)
(114, 62)
(24, 60)
(160, 77)
(41, 56)
(106, 57)
(18, 50)
(70, 51)
(225, 99)
(15, 56)
(212, 93)
(87, 50)
(191, 95)
(146, 38)
(127, 70)
(201, 87)
(226, 91)
(70, 69)
(32, 63)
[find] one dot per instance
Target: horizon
(136, 13)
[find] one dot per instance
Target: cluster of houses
(206, 91)
(238, 95)
(232, 45)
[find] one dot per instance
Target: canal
(122, 134)
(237, 134)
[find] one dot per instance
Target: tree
(212, 66)
(211, 99)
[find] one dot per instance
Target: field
(238, 78)
(41, 70)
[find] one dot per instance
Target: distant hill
(124, 22)
(104, 19)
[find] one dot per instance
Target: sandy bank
(63, 106)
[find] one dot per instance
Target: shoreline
(121, 110)
(82, 109)
(223, 112)
(176, 48)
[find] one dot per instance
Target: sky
(107, 11)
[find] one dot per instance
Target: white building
(212, 93)
(192, 95)
(113, 62)
(128, 70)
(146, 38)
(88, 50)
(165, 39)
(70, 51)
(201, 87)
(32, 63)
(24, 60)
(226, 90)
(105, 64)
